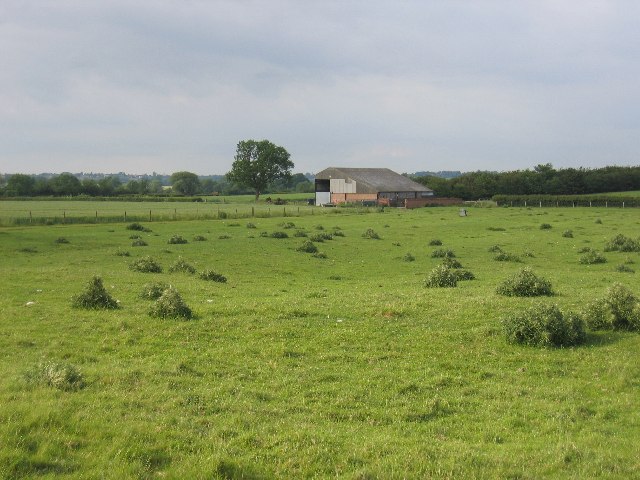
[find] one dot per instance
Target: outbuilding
(335, 185)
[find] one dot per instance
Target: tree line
(542, 180)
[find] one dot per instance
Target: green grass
(299, 367)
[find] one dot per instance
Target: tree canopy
(259, 163)
(186, 183)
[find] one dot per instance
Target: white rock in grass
(29, 303)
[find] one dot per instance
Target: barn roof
(373, 180)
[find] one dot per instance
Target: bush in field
(138, 242)
(442, 253)
(199, 238)
(321, 237)
(494, 249)
(95, 297)
(287, 225)
(153, 291)
(463, 275)
(435, 242)
(585, 250)
(135, 226)
(567, 234)
(545, 226)
(525, 283)
(338, 233)
(624, 269)
(320, 255)
(506, 257)
(441, 277)
(145, 265)
(181, 265)
(408, 257)
(592, 257)
(307, 246)
(122, 253)
(598, 221)
(620, 243)
(170, 305)
(496, 229)
(61, 240)
(300, 234)
(177, 240)
(62, 376)
(212, 276)
(279, 235)
(451, 263)
(224, 236)
(371, 234)
(544, 326)
(251, 225)
(597, 315)
(624, 307)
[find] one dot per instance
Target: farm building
(380, 185)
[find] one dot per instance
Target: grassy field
(306, 367)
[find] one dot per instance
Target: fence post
(541, 204)
(175, 213)
(284, 211)
(125, 215)
(525, 203)
(252, 212)
(30, 217)
(606, 204)
(622, 204)
(149, 215)
(96, 216)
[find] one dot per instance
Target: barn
(336, 185)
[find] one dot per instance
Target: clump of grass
(335, 277)
(620, 243)
(371, 234)
(62, 376)
(592, 257)
(95, 297)
(28, 250)
(61, 240)
(321, 237)
(435, 242)
(153, 291)
(338, 233)
(408, 257)
(138, 242)
(122, 253)
(264, 234)
(494, 248)
(177, 240)
(451, 263)
(224, 236)
(300, 234)
(618, 310)
(318, 227)
(598, 221)
(170, 305)
(496, 229)
(625, 269)
(506, 257)
(307, 246)
(528, 254)
(279, 235)
(525, 283)
(212, 276)
(463, 275)
(135, 226)
(251, 225)
(181, 265)
(443, 253)
(584, 249)
(199, 238)
(567, 234)
(544, 326)
(287, 225)
(545, 226)
(133, 237)
(320, 255)
(441, 277)
(145, 265)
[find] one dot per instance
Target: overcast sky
(142, 86)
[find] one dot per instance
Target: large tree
(259, 163)
(186, 183)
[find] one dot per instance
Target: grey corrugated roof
(373, 180)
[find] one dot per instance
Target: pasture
(300, 366)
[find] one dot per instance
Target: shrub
(321, 237)
(506, 257)
(624, 269)
(181, 265)
(494, 248)
(287, 225)
(544, 326)
(122, 253)
(307, 246)
(279, 235)
(620, 243)
(133, 237)
(442, 253)
(61, 240)
(585, 250)
(135, 226)
(525, 283)
(224, 236)
(592, 257)
(441, 277)
(435, 242)
(264, 234)
(567, 234)
(451, 263)
(95, 297)
(463, 275)
(212, 276)
(170, 305)
(199, 238)
(598, 221)
(62, 376)
(496, 229)
(320, 255)
(597, 315)
(300, 234)
(138, 242)
(408, 257)
(145, 265)
(545, 226)
(371, 234)
(251, 225)
(176, 240)
(338, 233)
(624, 308)
(153, 291)
(318, 227)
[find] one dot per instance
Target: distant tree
(155, 186)
(65, 184)
(90, 187)
(185, 183)
(208, 186)
(258, 164)
(109, 185)
(20, 185)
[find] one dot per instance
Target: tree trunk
(257, 195)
